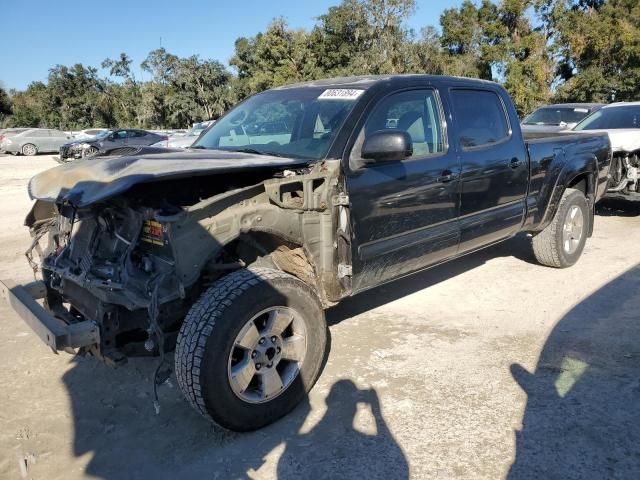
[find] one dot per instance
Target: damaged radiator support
(625, 172)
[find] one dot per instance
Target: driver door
(404, 213)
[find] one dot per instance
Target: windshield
(556, 115)
(612, 118)
(299, 123)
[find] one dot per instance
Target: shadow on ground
(582, 419)
(610, 207)
(127, 440)
(116, 425)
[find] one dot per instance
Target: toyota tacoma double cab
(230, 251)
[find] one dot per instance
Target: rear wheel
(29, 149)
(561, 243)
(251, 348)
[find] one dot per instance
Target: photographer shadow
(582, 418)
(127, 441)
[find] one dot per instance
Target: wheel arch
(578, 172)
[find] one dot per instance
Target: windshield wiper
(256, 152)
(199, 147)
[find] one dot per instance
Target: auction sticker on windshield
(340, 94)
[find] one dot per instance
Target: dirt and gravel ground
(488, 367)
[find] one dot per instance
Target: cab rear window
(480, 117)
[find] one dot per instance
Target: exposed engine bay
(625, 173)
(135, 263)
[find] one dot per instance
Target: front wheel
(91, 152)
(561, 243)
(251, 348)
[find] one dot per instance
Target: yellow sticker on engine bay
(152, 232)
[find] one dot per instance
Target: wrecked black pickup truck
(229, 252)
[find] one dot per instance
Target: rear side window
(480, 117)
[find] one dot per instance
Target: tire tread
(545, 247)
(200, 323)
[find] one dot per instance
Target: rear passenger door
(494, 168)
(42, 139)
(138, 137)
(403, 213)
(115, 140)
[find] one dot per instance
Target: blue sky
(37, 34)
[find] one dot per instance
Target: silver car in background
(34, 141)
(559, 117)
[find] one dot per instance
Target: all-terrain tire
(208, 335)
(549, 245)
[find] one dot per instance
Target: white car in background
(186, 140)
(622, 122)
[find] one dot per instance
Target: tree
(200, 90)
(5, 105)
(123, 97)
(27, 106)
(599, 48)
(276, 57)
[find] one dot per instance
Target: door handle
(515, 163)
(446, 176)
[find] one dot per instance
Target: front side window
(480, 117)
(296, 122)
(417, 112)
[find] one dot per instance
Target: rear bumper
(54, 332)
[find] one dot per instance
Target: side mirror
(387, 146)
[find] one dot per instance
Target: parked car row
(620, 120)
(92, 141)
(108, 140)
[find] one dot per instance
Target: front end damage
(625, 175)
(130, 266)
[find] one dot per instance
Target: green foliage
(600, 47)
(540, 50)
(5, 106)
